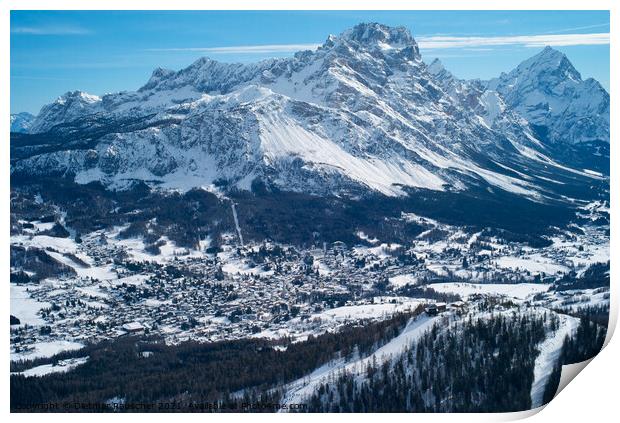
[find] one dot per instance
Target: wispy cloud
(426, 42)
(50, 30)
(259, 49)
(557, 40)
(39, 78)
(79, 65)
(578, 28)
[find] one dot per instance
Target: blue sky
(106, 51)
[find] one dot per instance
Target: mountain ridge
(362, 112)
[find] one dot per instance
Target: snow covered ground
(519, 291)
(533, 263)
(332, 319)
(402, 280)
(574, 299)
(550, 350)
(62, 366)
(235, 266)
(46, 349)
(24, 307)
(387, 306)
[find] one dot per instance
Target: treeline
(413, 291)
(38, 262)
(589, 337)
(595, 276)
(585, 344)
(482, 365)
(147, 371)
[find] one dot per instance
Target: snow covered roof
(133, 326)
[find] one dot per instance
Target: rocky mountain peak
(66, 108)
(437, 69)
(549, 93)
(157, 76)
(77, 96)
(549, 62)
(375, 36)
(373, 33)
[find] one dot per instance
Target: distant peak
(551, 53)
(549, 61)
(436, 67)
(157, 76)
(374, 32)
(551, 56)
(22, 114)
(78, 95)
(161, 72)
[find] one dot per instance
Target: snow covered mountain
(549, 92)
(20, 122)
(363, 113)
(67, 108)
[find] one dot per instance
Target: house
(339, 246)
(133, 327)
(458, 305)
(435, 309)
(431, 310)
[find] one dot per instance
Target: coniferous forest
(145, 370)
(481, 365)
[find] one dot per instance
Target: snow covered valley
(72, 293)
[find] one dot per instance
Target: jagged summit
(156, 77)
(376, 39)
(396, 46)
(68, 107)
(549, 61)
(78, 95)
(436, 66)
(376, 33)
(437, 69)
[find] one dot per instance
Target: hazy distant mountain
(20, 122)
